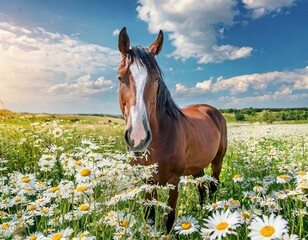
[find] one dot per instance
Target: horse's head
(138, 75)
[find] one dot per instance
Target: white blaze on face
(138, 113)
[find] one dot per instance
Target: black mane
(164, 101)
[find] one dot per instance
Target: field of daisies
(71, 179)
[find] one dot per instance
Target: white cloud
(84, 85)
(116, 32)
(259, 8)
(191, 27)
(288, 84)
(32, 61)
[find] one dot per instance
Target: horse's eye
(119, 78)
(157, 79)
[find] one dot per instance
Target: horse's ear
(157, 45)
(123, 43)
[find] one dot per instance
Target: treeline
(268, 114)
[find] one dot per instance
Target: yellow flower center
(5, 226)
(245, 214)
(57, 236)
(85, 172)
(124, 223)
(78, 163)
(118, 234)
(32, 208)
(236, 176)
(33, 237)
(186, 225)
(145, 228)
(45, 210)
(25, 179)
(84, 207)
(272, 206)
(302, 173)
(233, 201)
(82, 235)
(214, 205)
(81, 188)
(267, 231)
(17, 199)
(54, 189)
(222, 226)
(283, 176)
(28, 188)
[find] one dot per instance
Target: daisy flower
(85, 174)
(289, 237)
(36, 236)
(213, 206)
(84, 236)
(186, 225)
(63, 234)
(260, 189)
(283, 179)
(267, 228)
(57, 132)
(222, 223)
(272, 206)
(234, 203)
(238, 178)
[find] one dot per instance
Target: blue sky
(61, 56)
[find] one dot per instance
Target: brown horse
(181, 141)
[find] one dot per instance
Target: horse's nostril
(149, 137)
(126, 136)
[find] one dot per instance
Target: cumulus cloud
(84, 85)
(288, 84)
(193, 27)
(259, 8)
(34, 61)
(116, 32)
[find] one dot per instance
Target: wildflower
(283, 179)
(85, 174)
(289, 237)
(57, 132)
(260, 189)
(272, 206)
(84, 208)
(238, 178)
(63, 234)
(36, 236)
(233, 203)
(222, 223)
(267, 228)
(205, 233)
(47, 162)
(186, 225)
(246, 216)
(84, 236)
(213, 206)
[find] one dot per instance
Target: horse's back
(206, 135)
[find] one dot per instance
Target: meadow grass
(69, 177)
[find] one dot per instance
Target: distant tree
(239, 116)
(268, 117)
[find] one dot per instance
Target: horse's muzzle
(140, 149)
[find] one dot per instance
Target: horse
(180, 141)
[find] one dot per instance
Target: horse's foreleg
(173, 196)
(150, 210)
